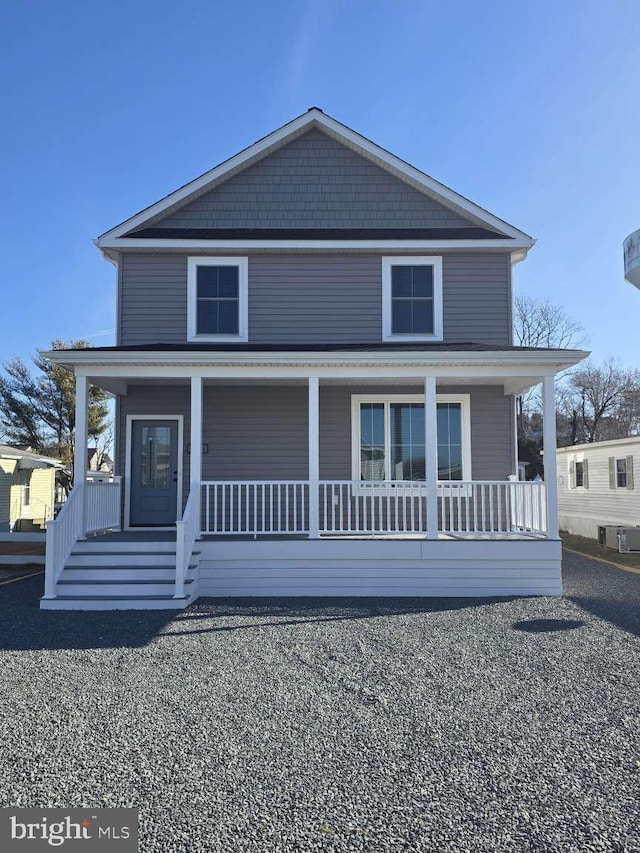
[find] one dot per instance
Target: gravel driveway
(342, 725)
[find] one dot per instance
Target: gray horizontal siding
(255, 432)
(313, 182)
(316, 298)
(260, 432)
(153, 299)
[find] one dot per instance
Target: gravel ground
(342, 725)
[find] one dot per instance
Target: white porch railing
(90, 508)
(375, 508)
(358, 506)
(493, 507)
(187, 531)
(253, 507)
(102, 505)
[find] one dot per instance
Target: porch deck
(169, 536)
(348, 538)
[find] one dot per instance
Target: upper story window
(412, 298)
(217, 299)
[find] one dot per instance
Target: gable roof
(315, 118)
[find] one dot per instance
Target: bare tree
(542, 324)
(603, 402)
(545, 325)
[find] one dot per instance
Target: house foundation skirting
(360, 567)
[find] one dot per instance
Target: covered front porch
(371, 482)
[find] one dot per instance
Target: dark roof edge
(464, 233)
(346, 347)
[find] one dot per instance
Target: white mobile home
(597, 486)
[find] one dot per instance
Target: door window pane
(155, 460)
(372, 441)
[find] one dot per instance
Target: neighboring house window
(621, 472)
(389, 438)
(578, 473)
(412, 298)
(217, 299)
(25, 491)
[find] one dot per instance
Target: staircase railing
(187, 531)
(62, 535)
(90, 508)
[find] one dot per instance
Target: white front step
(128, 588)
(126, 574)
(113, 546)
(121, 558)
(144, 574)
(119, 603)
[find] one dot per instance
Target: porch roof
(515, 368)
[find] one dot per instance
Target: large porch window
(389, 438)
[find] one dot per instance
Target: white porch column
(550, 444)
(314, 458)
(81, 442)
(431, 455)
(195, 464)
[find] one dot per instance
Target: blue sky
(529, 109)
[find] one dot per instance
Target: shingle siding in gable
(316, 298)
(313, 182)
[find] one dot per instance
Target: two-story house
(314, 379)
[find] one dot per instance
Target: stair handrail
(62, 534)
(187, 531)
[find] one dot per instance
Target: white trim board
(535, 360)
(110, 243)
(127, 468)
(316, 118)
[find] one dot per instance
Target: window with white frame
(388, 438)
(217, 299)
(621, 473)
(579, 474)
(412, 298)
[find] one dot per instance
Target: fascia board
(247, 245)
(548, 361)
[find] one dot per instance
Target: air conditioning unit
(608, 535)
(629, 539)
(622, 539)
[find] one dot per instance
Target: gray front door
(154, 473)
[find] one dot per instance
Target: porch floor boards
(170, 536)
